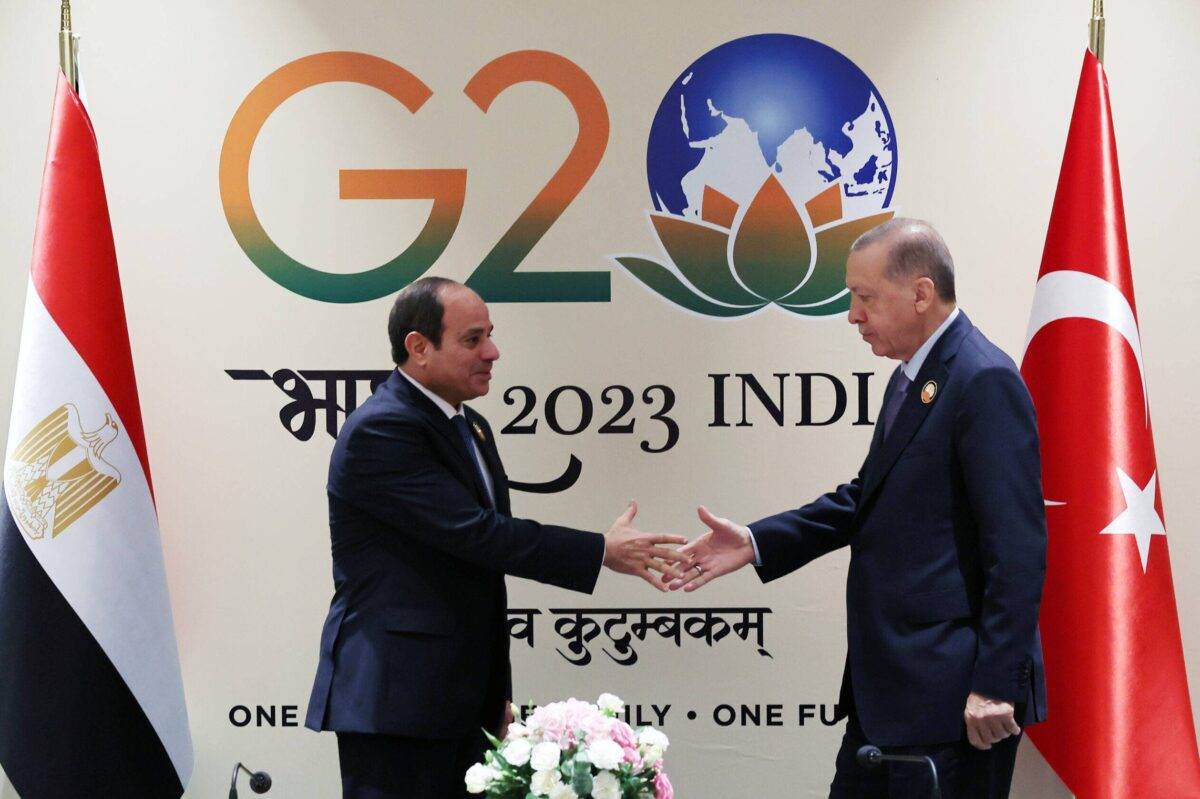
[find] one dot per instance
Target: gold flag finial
(1096, 38)
(67, 43)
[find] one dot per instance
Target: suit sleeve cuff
(1004, 684)
(757, 557)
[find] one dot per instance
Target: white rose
(650, 754)
(479, 777)
(563, 791)
(517, 730)
(543, 782)
(649, 736)
(605, 785)
(516, 752)
(605, 754)
(544, 757)
(610, 703)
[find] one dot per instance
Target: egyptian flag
(1120, 720)
(91, 698)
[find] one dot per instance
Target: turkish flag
(1120, 720)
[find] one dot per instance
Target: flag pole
(1096, 32)
(68, 43)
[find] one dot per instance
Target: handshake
(726, 547)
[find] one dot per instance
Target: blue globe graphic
(772, 103)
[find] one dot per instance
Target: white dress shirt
(912, 367)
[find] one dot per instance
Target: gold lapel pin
(929, 391)
(479, 432)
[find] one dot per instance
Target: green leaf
(828, 277)
(701, 254)
(666, 283)
(838, 305)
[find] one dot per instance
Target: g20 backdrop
(656, 201)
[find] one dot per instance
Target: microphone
(260, 781)
(871, 756)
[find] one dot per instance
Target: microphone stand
(260, 781)
(871, 756)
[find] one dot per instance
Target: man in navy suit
(946, 528)
(414, 653)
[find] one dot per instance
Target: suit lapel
(491, 456)
(461, 459)
(885, 451)
(908, 420)
(465, 451)
(877, 437)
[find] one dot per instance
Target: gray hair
(916, 249)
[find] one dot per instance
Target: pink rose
(624, 736)
(662, 786)
(561, 722)
(598, 728)
(549, 722)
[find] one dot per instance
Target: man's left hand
(989, 721)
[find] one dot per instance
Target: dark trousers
(392, 767)
(964, 771)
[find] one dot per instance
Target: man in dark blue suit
(946, 528)
(414, 653)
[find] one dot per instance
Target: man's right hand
(989, 721)
(725, 548)
(629, 551)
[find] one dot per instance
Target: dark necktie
(892, 406)
(464, 432)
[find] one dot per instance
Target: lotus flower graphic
(735, 261)
(767, 157)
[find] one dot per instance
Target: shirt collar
(912, 367)
(443, 406)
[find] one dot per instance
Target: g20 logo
(767, 157)
(496, 278)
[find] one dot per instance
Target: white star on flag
(1140, 518)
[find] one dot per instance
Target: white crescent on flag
(1066, 294)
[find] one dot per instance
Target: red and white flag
(1120, 720)
(91, 698)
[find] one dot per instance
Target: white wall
(980, 94)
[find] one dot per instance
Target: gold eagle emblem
(58, 472)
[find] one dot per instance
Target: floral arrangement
(574, 750)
